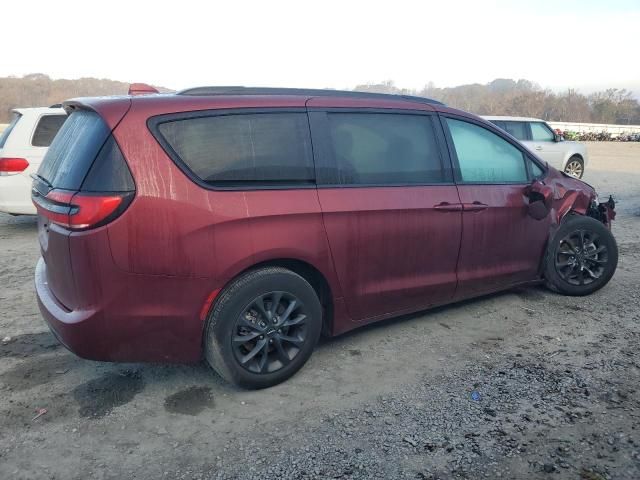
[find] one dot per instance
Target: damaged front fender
(575, 196)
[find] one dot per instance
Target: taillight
(81, 211)
(13, 165)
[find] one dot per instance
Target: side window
(517, 129)
(540, 132)
(536, 171)
(269, 148)
(484, 157)
(46, 130)
(384, 148)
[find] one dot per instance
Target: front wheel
(263, 328)
(582, 256)
(575, 167)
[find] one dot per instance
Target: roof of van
(512, 119)
(307, 92)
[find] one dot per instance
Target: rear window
(46, 130)
(7, 131)
(517, 129)
(261, 148)
(73, 150)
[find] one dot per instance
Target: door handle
(474, 207)
(448, 207)
(538, 148)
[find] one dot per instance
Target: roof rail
(239, 90)
(56, 105)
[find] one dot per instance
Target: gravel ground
(524, 384)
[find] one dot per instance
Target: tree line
(38, 90)
(526, 99)
(499, 97)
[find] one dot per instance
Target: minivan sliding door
(390, 208)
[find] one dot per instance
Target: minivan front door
(543, 143)
(391, 210)
(501, 243)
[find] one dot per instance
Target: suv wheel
(263, 328)
(575, 167)
(582, 256)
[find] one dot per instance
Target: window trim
(154, 122)
(37, 123)
(526, 155)
(323, 149)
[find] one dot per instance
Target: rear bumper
(15, 195)
(72, 329)
(132, 318)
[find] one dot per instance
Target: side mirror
(538, 210)
(540, 199)
(557, 137)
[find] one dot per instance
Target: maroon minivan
(239, 223)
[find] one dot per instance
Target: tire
(575, 167)
(566, 257)
(242, 311)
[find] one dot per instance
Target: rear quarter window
(241, 149)
(47, 128)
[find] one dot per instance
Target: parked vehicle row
(22, 147)
(539, 137)
(238, 224)
(600, 136)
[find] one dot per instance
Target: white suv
(537, 136)
(22, 146)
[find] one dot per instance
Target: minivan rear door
(390, 208)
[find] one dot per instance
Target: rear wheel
(263, 328)
(575, 167)
(582, 256)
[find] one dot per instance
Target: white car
(539, 137)
(22, 147)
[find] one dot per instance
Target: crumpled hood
(569, 194)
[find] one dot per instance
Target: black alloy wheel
(581, 257)
(270, 332)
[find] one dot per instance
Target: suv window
(383, 148)
(269, 148)
(7, 131)
(540, 132)
(517, 129)
(484, 157)
(46, 130)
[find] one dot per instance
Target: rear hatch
(82, 184)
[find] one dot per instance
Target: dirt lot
(524, 384)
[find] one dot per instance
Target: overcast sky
(335, 44)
